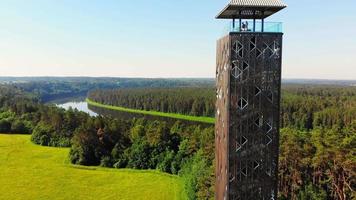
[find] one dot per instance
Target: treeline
(188, 101)
(49, 125)
(8, 121)
(54, 88)
(303, 106)
(308, 107)
(141, 144)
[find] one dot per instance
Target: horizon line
(138, 77)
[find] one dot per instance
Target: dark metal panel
(253, 112)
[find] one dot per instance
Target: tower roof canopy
(251, 9)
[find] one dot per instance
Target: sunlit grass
(209, 120)
(28, 171)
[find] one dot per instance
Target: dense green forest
(303, 107)
(188, 101)
(54, 88)
(317, 143)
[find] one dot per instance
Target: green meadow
(28, 171)
(209, 120)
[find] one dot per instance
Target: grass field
(28, 171)
(209, 120)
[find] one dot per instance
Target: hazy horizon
(144, 39)
(158, 77)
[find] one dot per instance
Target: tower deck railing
(268, 27)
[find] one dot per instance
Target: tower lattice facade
(247, 110)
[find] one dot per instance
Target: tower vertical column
(222, 117)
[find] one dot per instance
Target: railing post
(254, 21)
(254, 25)
(240, 21)
(263, 21)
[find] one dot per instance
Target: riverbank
(208, 120)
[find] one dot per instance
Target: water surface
(81, 106)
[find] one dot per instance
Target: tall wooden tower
(248, 85)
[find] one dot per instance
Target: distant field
(28, 171)
(209, 120)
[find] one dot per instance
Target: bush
(165, 164)
(5, 126)
(45, 135)
(86, 148)
(120, 164)
(312, 193)
(59, 141)
(106, 161)
(41, 134)
(139, 155)
(7, 115)
(19, 127)
(44, 140)
(119, 156)
(193, 170)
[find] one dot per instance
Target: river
(81, 106)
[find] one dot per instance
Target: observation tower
(248, 74)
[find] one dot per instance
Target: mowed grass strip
(209, 120)
(28, 171)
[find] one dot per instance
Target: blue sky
(163, 38)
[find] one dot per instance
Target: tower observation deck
(248, 74)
